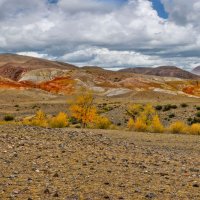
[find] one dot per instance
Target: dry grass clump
(140, 125)
(101, 122)
(179, 127)
(59, 121)
(195, 129)
(156, 125)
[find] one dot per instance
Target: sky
(113, 34)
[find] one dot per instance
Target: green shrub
(195, 120)
(184, 105)
(8, 118)
(167, 107)
(174, 106)
(198, 114)
(158, 107)
(172, 115)
(198, 107)
(73, 120)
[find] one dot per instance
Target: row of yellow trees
(82, 109)
(143, 118)
(146, 119)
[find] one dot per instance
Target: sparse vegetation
(84, 113)
(142, 117)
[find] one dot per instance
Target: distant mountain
(164, 71)
(28, 73)
(13, 66)
(196, 70)
(137, 70)
(12, 71)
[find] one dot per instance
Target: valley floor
(73, 164)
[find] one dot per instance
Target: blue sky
(157, 5)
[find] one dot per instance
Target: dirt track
(68, 164)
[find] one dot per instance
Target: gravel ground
(69, 164)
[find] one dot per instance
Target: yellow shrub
(156, 125)
(178, 127)
(102, 122)
(140, 125)
(195, 129)
(83, 109)
(60, 121)
(131, 124)
(134, 110)
(39, 119)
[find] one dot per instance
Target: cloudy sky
(107, 33)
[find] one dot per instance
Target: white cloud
(119, 59)
(183, 11)
(36, 55)
(101, 32)
(88, 6)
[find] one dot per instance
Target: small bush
(198, 107)
(60, 121)
(178, 127)
(167, 107)
(174, 106)
(156, 125)
(102, 122)
(73, 120)
(198, 114)
(39, 119)
(195, 120)
(189, 119)
(131, 124)
(158, 107)
(184, 105)
(140, 125)
(195, 129)
(8, 118)
(172, 115)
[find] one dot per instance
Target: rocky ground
(68, 164)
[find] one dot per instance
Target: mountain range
(23, 72)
